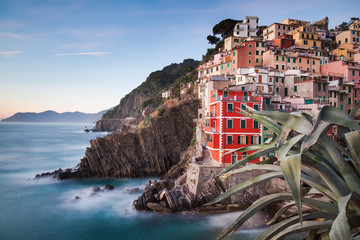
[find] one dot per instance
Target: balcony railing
(238, 99)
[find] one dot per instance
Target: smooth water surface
(46, 209)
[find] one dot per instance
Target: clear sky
(85, 55)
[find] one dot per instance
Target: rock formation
(145, 152)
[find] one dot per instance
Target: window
(229, 139)
(257, 60)
(299, 60)
(236, 40)
(239, 139)
(353, 73)
(341, 97)
(277, 58)
(257, 44)
(295, 88)
(324, 99)
(233, 158)
(226, 94)
(294, 60)
(341, 107)
(286, 92)
(243, 106)
(257, 52)
(349, 100)
(234, 61)
(276, 80)
(256, 125)
(229, 123)
(282, 67)
(282, 80)
(243, 123)
(349, 89)
(233, 53)
(250, 45)
(313, 62)
(256, 107)
(250, 53)
(305, 42)
(230, 107)
(277, 66)
(283, 59)
(307, 61)
(277, 89)
(330, 94)
(249, 60)
(288, 59)
(319, 87)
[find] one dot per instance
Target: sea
(39, 209)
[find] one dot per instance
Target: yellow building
(306, 37)
(349, 36)
(295, 22)
(346, 51)
(355, 25)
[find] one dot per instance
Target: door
(233, 159)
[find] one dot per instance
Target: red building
(285, 41)
(248, 54)
(227, 129)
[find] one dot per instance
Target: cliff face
(150, 151)
(144, 96)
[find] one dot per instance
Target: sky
(85, 55)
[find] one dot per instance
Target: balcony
(238, 99)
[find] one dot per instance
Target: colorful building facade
(228, 130)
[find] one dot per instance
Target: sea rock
(156, 207)
(109, 187)
(77, 198)
(95, 189)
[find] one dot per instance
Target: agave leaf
(266, 167)
(267, 149)
(293, 122)
(267, 122)
(291, 167)
(303, 116)
(351, 178)
(313, 183)
(315, 134)
(245, 185)
(275, 229)
(308, 116)
(303, 227)
(321, 205)
(284, 149)
(336, 116)
(255, 147)
(353, 140)
(335, 183)
(281, 211)
(340, 228)
(283, 135)
(254, 208)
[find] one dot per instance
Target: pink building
(348, 70)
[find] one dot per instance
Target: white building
(247, 28)
(167, 94)
(255, 79)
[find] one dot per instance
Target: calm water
(45, 209)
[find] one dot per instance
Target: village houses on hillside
(293, 65)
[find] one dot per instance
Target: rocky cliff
(145, 97)
(145, 152)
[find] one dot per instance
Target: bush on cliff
(306, 155)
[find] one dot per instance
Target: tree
(306, 155)
(213, 39)
(225, 27)
(343, 26)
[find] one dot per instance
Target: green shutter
(239, 140)
(256, 124)
(256, 107)
(243, 123)
(252, 140)
(259, 139)
(247, 140)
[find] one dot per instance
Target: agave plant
(305, 154)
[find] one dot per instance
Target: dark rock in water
(95, 189)
(87, 130)
(133, 190)
(109, 187)
(77, 198)
(156, 207)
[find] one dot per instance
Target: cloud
(8, 54)
(83, 53)
(13, 35)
